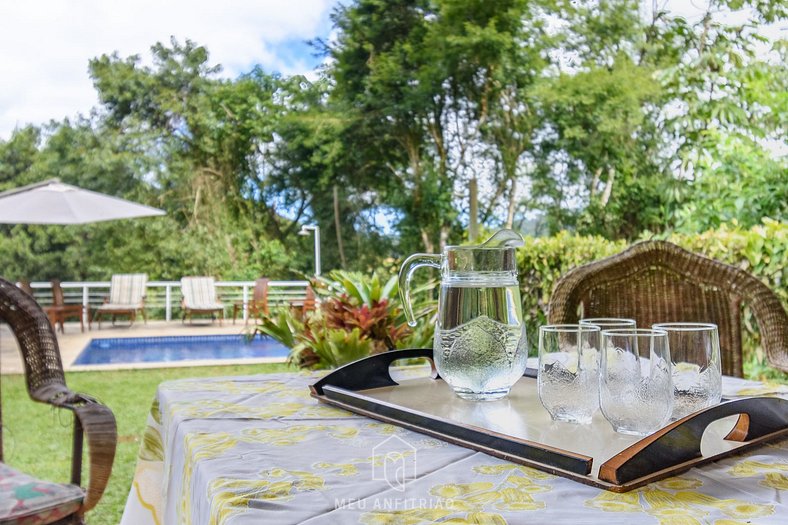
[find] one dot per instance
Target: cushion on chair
(25, 500)
(199, 293)
(119, 307)
(206, 306)
(127, 288)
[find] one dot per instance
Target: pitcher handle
(415, 261)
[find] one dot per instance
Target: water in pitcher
(480, 346)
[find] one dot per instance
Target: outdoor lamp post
(305, 231)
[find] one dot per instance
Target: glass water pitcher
(480, 345)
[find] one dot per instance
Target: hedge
(761, 250)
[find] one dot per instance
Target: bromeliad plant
(358, 316)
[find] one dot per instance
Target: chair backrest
(656, 281)
(37, 342)
(260, 294)
(310, 300)
(127, 288)
(198, 290)
(25, 286)
(57, 293)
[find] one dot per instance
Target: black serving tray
(518, 429)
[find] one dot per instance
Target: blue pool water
(167, 349)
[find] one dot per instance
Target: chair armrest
(96, 423)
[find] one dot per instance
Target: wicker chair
(656, 281)
(53, 502)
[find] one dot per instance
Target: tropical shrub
(358, 316)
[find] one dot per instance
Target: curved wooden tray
(518, 429)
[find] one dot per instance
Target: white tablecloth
(259, 449)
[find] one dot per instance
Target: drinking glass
(635, 385)
(568, 375)
(609, 323)
(697, 372)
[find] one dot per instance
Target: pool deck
(73, 342)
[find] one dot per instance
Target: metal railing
(164, 296)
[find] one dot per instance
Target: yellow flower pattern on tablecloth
(273, 388)
(213, 408)
(351, 468)
(772, 472)
(478, 502)
(776, 481)
(682, 507)
(231, 496)
(288, 436)
(201, 446)
(385, 429)
(152, 448)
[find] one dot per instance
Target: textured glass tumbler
(609, 323)
(697, 372)
(568, 375)
(635, 384)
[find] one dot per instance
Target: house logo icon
(394, 461)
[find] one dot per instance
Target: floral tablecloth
(259, 449)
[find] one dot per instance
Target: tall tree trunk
(512, 204)
(444, 237)
(425, 239)
(595, 182)
(611, 174)
(473, 212)
(338, 228)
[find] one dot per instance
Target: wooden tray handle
(370, 372)
(679, 442)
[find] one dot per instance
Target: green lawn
(37, 438)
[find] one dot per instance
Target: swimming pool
(178, 348)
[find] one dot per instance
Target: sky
(45, 45)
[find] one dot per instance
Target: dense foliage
(429, 121)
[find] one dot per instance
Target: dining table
(260, 449)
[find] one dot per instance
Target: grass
(37, 437)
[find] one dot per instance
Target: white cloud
(45, 45)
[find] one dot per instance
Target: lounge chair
(259, 303)
(199, 297)
(126, 297)
(24, 498)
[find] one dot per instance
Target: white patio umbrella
(53, 202)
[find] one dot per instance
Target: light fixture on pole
(316, 229)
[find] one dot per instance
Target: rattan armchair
(46, 383)
(656, 281)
